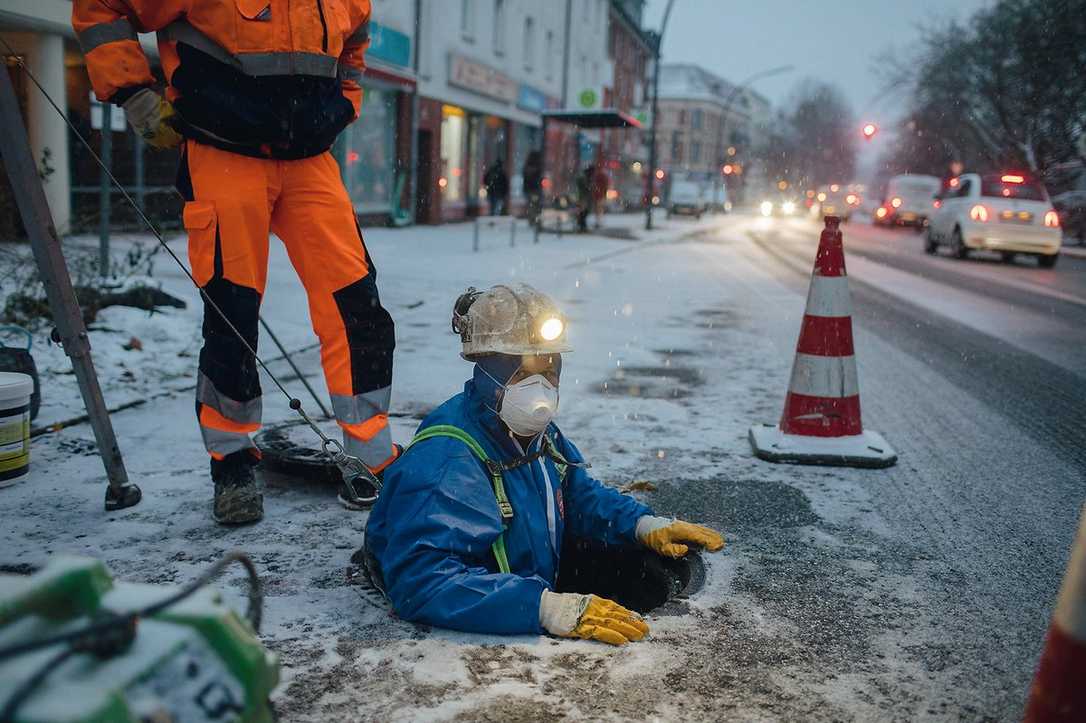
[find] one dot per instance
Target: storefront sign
(481, 79)
(388, 45)
(534, 100)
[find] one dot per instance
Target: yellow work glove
(589, 617)
(671, 538)
(152, 117)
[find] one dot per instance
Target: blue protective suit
(433, 525)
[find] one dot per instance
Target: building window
(453, 141)
(529, 43)
(676, 147)
(499, 27)
(467, 19)
(548, 60)
(682, 116)
(695, 120)
(695, 152)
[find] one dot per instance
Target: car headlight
(788, 207)
(767, 208)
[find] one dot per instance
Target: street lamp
(735, 93)
(655, 110)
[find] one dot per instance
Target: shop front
(374, 151)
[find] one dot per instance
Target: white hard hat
(514, 319)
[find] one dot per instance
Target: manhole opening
(635, 578)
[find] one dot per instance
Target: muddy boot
(237, 498)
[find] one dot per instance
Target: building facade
(708, 127)
(480, 73)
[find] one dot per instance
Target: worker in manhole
(256, 93)
(469, 529)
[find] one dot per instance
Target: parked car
(1009, 213)
(687, 198)
(908, 201)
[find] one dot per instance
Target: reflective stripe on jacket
(265, 69)
(432, 528)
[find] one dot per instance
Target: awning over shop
(603, 118)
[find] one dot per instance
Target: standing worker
(257, 91)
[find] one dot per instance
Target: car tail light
(881, 213)
(896, 203)
(978, 213)
(936, 203)
(1052, 219)
(1013, 178)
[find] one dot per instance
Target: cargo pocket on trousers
(202, 225)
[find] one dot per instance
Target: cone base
(868, 449)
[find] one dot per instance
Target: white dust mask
(528, 406)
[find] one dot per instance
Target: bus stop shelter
(590, 119)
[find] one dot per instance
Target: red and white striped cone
(821, 422)
(1059, 689)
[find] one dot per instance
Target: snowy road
(922, 591)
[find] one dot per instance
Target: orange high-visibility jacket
(263, 77)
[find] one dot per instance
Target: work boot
(365, 493)
(237, 498)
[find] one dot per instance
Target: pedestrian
(478, 516)
(584, 197)
(599, 184)
(497, 188)
(533, 185)
(254, 129)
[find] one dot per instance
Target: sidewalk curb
(1075, 253)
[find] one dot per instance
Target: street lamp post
(735, 93)
(655, 110)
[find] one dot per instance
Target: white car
(908, 201)
(1009, 213)
(687, 197)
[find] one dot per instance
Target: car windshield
(996, 187)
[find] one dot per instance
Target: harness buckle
(506, 510)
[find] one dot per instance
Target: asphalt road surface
(927, 587)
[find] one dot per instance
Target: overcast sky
(839, 40)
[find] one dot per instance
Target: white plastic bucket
(15, 392)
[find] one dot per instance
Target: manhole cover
(292, 448)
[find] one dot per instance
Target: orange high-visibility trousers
(233, 203)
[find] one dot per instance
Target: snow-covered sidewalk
(682, 340)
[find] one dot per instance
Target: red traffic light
(727, 169)
(870, 130)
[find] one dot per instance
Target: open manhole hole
(637, 579)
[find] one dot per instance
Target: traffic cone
(821, 421)
(1058, 692)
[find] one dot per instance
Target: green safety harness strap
(496, 470)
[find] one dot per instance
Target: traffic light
(727, 169)
(870, 130)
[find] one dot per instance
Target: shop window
(525, 140)
(452, 181)
(370, 154)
